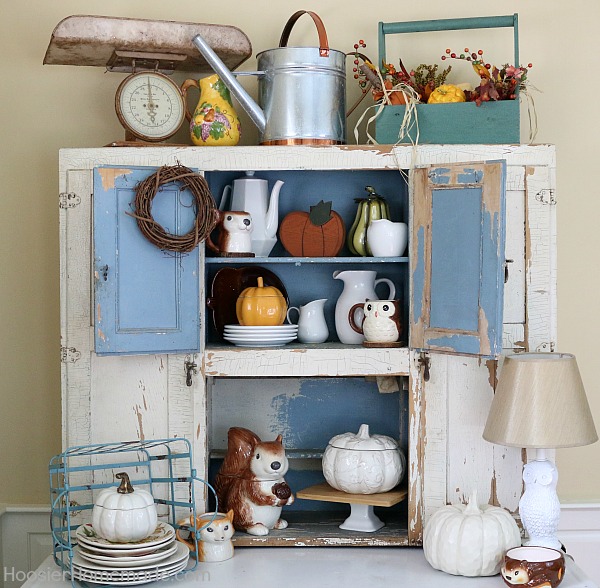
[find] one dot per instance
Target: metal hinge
(68, 200)
(69, 355)
(546, 196)
(546, 346)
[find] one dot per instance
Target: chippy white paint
(447, 456)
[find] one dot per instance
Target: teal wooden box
(457, 123)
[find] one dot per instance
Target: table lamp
(540, 403)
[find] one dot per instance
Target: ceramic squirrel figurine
(251, 482)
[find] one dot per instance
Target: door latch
(425, 363)
(506, 262)
(190, 368)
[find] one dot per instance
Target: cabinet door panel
(146, 299)
(458, 258)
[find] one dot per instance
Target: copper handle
(323, 42)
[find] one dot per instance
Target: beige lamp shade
(540, 402)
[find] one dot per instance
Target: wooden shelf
(303, 360)
(290, 453)
(321, 529)
(304, 260)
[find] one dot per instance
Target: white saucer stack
(260, 336)
(126, 564)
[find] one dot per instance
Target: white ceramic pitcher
(312, 327)
(359, 286)
(387, 239)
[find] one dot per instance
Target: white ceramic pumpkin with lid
(359, 463)
(122, 514)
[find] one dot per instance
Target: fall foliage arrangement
(427, 85)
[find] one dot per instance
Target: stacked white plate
(260, 336)
(126, 564)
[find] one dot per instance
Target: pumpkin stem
(320, 214)
(363, 432)
(125, 487)
(260, 282)
(472, 508)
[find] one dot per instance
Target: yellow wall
(44, 108)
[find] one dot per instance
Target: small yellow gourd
(261, 306)
(445, 94)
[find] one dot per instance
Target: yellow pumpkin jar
(261, 306)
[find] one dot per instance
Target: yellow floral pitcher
(215, 121)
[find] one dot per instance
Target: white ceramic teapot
(252, 195)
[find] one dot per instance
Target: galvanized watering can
(301, 90)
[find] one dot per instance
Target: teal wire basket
(162, 467)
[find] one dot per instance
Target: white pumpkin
(469, 540)
(122, 514)
(363, 464)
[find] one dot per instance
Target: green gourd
(374, 207)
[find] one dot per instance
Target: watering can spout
(250, 106)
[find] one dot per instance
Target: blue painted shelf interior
(307, 279)
(308, 412)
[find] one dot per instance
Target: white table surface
(316, 567)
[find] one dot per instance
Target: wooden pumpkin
(318, 233)
(467, 540)
(122, 514)
(263, 306)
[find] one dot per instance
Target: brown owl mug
(381, 320)
(533, 566)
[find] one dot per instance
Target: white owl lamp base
(539, 506)
(540, 402)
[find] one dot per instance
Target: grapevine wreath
(206, 212)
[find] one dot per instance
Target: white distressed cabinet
(310, 392)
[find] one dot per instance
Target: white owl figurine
(381, 321)
(539, 506)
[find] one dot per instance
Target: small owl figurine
(381, 322)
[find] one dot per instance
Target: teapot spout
(272, 219)
(254, 111)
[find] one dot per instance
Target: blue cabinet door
(146, 300)
(457, 257)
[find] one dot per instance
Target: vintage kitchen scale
(149, 104)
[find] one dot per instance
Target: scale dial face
(150, 105)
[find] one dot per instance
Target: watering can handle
(323, 42)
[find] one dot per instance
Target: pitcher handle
(351, 320)
(323, 42)
(390, 284)
(289, 320)
(187, 84)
